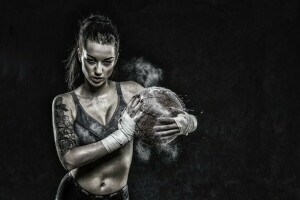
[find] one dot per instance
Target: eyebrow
(96, 59)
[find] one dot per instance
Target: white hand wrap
(120, 137)
(186, 123)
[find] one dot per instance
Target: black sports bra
(87, 129)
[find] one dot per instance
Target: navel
(102, 184)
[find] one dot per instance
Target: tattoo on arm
(64, 127)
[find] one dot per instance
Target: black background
(233, 61)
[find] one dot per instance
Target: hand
(130, 116)
(133, 108)
(167, 130)
(126, 126)
(186, 123)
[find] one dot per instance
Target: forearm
(83, 155)
(72, 156)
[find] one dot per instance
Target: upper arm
(129, 89)
(63, 125)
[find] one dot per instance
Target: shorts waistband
(106, 196)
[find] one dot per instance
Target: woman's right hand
(133, 108)
(126, 126)
(130, 116)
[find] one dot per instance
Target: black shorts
(69, 189)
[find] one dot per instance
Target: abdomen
(107, 174)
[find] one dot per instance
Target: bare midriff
(107, 174)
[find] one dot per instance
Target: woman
(93, 137)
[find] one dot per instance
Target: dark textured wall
(234, 62)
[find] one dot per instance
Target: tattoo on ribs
(65, 132)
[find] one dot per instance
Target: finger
(166, 133)
(138, 116)
(135, 102)
(165, 127)
(130, 106)
(137, 96)
(176, 109)
(166, 120)
(137, 107)
(130, 102)
(167, 139)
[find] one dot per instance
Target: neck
(88, 90)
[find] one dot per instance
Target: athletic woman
(94, 123)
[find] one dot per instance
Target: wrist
(186, 123)
(115, 140)
(125, 132)
(126, 124)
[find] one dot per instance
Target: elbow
(69, 161)
(69, 167)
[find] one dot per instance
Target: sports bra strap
(76, 101)
(119, 91)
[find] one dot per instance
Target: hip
(70, 189)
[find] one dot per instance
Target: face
(98, 61)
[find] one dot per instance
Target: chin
(92, 83)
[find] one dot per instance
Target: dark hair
(96, 28)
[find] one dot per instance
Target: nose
(98, 69)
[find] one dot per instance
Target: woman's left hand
(170, 127)
(167, 130)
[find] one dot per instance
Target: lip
(97, 79)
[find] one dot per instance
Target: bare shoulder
(65, 102)
(129, 89)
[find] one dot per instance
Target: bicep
(63, 126)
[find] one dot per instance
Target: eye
(90, 61)
(107, 62)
